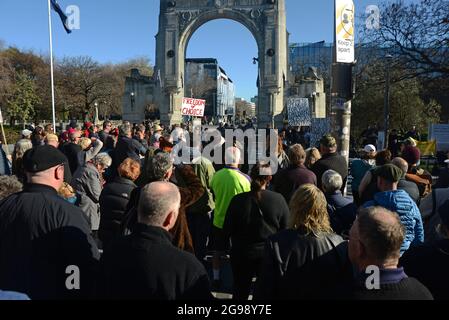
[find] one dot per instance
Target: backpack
(423, 181)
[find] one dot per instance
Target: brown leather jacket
(191, 191)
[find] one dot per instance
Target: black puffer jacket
(303, 266)
(113, 202)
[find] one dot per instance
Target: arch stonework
(265, 19)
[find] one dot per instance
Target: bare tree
(417, 34)
(83, 83)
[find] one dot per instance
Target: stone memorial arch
(265, 19)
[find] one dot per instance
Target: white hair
(331, 181)
(103, 159)
(232, 156)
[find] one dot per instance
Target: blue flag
(62, 15)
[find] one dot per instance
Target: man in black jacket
(72, 149)
(375, 241)
(331, 160)
(145, 264)
(46, 250)
(126, 147)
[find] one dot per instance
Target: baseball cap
(369, 148)
(328, 141)
(26, 132)
(389, 172)
(41, 158)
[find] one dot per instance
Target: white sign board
(1, 117)
(193, 107)
(440, 133)
(344, 31)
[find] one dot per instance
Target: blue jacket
(342, 212)
(400, 202)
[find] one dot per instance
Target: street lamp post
(96, 113)
(388, 58)
(133, 99)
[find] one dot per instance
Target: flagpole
(51, 69)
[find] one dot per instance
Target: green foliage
(12, 134)
(80, 82)
(407, 108)
(24, 98)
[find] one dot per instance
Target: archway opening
(221, 67)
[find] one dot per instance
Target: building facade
(245, 109)
(302, 56)
(139, 97)
(205, 79)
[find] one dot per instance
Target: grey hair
(232, 155)
(125, 129)
(331, 181)
(401, 164)
(9, 185)
(103, 159)
(160, 165)
(22, 146)
(157, 200)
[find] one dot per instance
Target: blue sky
(116, 30)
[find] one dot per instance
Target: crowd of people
(113, 204)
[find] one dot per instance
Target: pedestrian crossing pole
(342, 80)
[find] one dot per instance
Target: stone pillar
(170, 108)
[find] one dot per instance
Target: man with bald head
(408, 186)
(145, 264)
(375, 241)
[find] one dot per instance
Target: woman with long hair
(20, 148)
(307, 260)
(282, 156)
(312, 156)
(250, 219)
